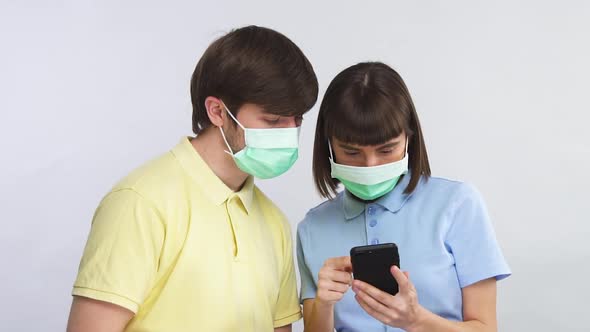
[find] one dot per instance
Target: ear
(215, 111)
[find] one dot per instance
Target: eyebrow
(346, 146)
(384, 146)
(388, 145)
(271, 116)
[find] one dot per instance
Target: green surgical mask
(372, 182)
(268, 152)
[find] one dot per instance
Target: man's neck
(210, 146)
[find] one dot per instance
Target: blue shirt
(443, 233)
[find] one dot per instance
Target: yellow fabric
(177, 247)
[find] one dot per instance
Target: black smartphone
(372, 264)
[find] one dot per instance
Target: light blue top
(443, 233)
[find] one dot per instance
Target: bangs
(366, 117)
(367, 104)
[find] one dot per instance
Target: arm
(333, 282)
(318, 317)
(88, 315)
(119, 264)
(286, 328)
(479, 311)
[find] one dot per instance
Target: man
(187, 242)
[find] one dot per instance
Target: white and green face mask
(371, 182)
(268, 152)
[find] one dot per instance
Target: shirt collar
(246, 194)
(212, 186)
(352, 205)
(392, 201)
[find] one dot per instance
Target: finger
(401, 278)
(340, 276)
(375, 293)
(372, 303)
(339, 263)
(330, 296)
(329, 273)
(333, 286)
(377, 315)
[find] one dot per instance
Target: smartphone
(372, 264)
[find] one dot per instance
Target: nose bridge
(292, 122)
(371, 158)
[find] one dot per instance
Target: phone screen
(372, 264)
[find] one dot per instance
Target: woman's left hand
(402, 310)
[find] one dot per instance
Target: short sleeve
(308, 286)
(120, 261)
(287, 309)
(472, 240)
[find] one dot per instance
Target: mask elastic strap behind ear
(330, 148)
(407, 144)
(230, 152)
(233, 117)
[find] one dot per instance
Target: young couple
(189, 243)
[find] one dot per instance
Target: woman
(368, 138)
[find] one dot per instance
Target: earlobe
(215, 111)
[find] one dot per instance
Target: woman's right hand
(334, 280)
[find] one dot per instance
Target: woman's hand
(402, 310)
(334, 280)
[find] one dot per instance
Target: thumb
(401, 278)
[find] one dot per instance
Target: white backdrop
(91, 89)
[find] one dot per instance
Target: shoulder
(447, 190)
(273, 216)
(154, 183)
(324, 213)
(155, 174)
(268, 206)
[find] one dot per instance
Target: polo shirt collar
(200, 172)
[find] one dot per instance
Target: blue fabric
(444, 235)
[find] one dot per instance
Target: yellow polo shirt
(172, 243)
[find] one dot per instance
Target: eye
(273, 120)
(350, 153)
(388, 151)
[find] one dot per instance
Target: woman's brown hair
(367, 104)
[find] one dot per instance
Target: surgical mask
(268, 152)
(371, 182)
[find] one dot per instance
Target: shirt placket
(233, 214)
(372, 224)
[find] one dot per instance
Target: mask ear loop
(230, 152)
(330, 148)
(233, 117)
(407, 144)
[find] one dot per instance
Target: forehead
(252, 108)
(256, 110)
(358, 146)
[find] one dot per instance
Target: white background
(90, 90)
